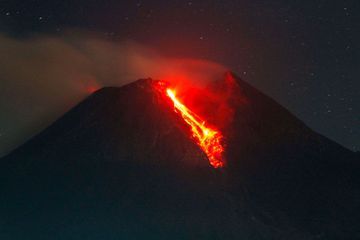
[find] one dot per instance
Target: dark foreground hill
(121, 165)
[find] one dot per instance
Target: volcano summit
(125, 164)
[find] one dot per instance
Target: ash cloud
(43, 76)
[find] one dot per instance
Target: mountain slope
(121, 165)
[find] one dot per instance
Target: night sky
(304, 54)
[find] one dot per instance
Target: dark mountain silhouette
(121, 165)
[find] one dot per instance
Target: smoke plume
(43, 76)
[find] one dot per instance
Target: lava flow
(209, 139)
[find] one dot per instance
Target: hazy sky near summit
(304, 54)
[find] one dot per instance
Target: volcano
(123, 164)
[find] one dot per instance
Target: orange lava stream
(207, 138)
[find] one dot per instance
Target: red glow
(209, 139)
(91, 89)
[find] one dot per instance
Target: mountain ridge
(124, 154)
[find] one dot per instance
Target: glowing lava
(209, 139)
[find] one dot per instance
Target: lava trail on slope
(209, 139)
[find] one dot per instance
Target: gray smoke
(42, 77)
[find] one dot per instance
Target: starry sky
(304, 54)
